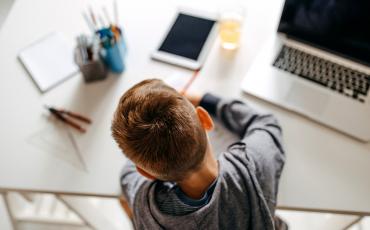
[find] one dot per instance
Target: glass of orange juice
(231, 21)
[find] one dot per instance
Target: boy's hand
(193, 98)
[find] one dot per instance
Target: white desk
(325, 170)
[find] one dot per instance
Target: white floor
(49, 212)
(325, 221)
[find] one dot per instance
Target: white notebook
(49, 61)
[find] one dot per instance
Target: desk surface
(325, 170)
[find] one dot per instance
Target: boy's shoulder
(235, 161)
(236, 194)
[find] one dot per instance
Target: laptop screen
(339, 26)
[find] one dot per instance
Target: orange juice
(230, 30)
(231, 26)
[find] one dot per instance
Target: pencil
(88, 22)
(106, 14)
(101, 21)
(93, 16)
(188, 84)
(115, 9)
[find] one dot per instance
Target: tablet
(189, 39)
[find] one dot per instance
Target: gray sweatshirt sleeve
(261, 134)
(131, 182)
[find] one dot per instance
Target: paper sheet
(49, 61)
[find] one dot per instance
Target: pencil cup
(92, 70)
(114, 56)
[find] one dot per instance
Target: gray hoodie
(244, 194)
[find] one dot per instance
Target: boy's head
(160, 131)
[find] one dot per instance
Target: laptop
(318, 64)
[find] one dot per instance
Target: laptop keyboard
(346, 81)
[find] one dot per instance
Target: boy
(172, 179)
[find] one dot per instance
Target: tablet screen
(187, 36)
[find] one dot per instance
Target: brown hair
(157, 128)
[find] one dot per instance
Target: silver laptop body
(336, 106)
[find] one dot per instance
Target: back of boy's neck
(197, 183)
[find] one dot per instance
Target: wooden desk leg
(126, 207)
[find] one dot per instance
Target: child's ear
(145, 174)
(205, 118)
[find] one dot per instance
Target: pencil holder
(92, 70)
(114, 56)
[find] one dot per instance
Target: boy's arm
(131, 182)
(261, 133)
(241, 119)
